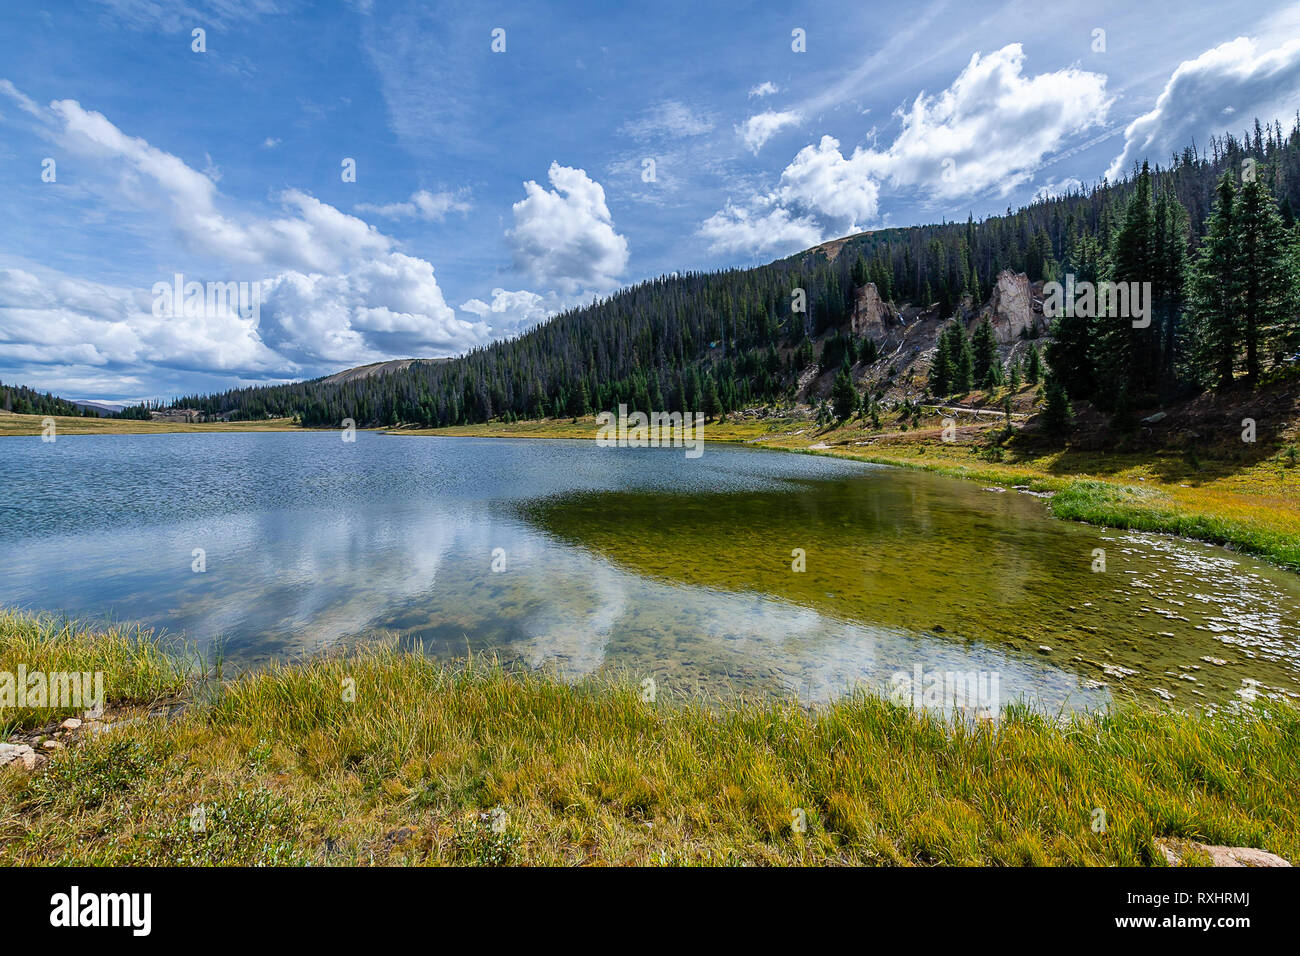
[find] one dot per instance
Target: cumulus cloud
(510, 313)
(737, 229)
(1232, 82)
(766, 88)
(432, 207)
(1052, 189)
(334, 290)
(564, 236)
(837, 189)
(758, 129)
(54, 319)
(990, 130)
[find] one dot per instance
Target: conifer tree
(943, 371)
(1128, 355)
(1058, 416)
(1072, 351)
(843, 395)
(963, 376)
(1213, 293)
(1264, 278)
(1033, 366)
(984, 345)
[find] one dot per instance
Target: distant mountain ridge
(374, 368)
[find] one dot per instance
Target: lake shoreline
(1255, 509)
(388, 757)
(1089, 496)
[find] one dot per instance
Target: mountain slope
(775, 333)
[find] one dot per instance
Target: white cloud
(432, 207)
(758, 129)
(510, 312)
(53, 319)
(1052, 189)
(565, 237)
(671, 119)
(739, 229)
(335, 290)
(1202, 97)
(271, 142)
(25, 103)
(766, 88)
(820, 179)
(990, 130)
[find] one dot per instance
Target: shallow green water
(641, 561)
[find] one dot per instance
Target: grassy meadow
(384, 757)
(15, 425)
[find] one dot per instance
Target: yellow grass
(11, 424)
(389, 757)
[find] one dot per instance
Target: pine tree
(963, 375)
(1058, 415)
(1072, 351)
(843, 396)
(1171, 230)
(1212, 293)
(944, 373)
(1129, 355)
(1033, 366)
(984, 345)
(1264, 277)
(712, 403)
(579, 403)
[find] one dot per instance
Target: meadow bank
(388, 757)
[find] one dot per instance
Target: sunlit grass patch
(136, 665)
(391, 757)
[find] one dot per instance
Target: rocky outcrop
(871, 316)
(1013, 308)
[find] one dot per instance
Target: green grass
(1147, 509)
(290, 766)
(137, 668)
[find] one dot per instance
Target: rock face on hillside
(1011, 307)
(871, 316)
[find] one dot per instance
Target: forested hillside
(27, 401)
(1213, 231)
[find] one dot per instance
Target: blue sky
(605, 144)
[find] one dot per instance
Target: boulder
(19, 755)
(1174, 850)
